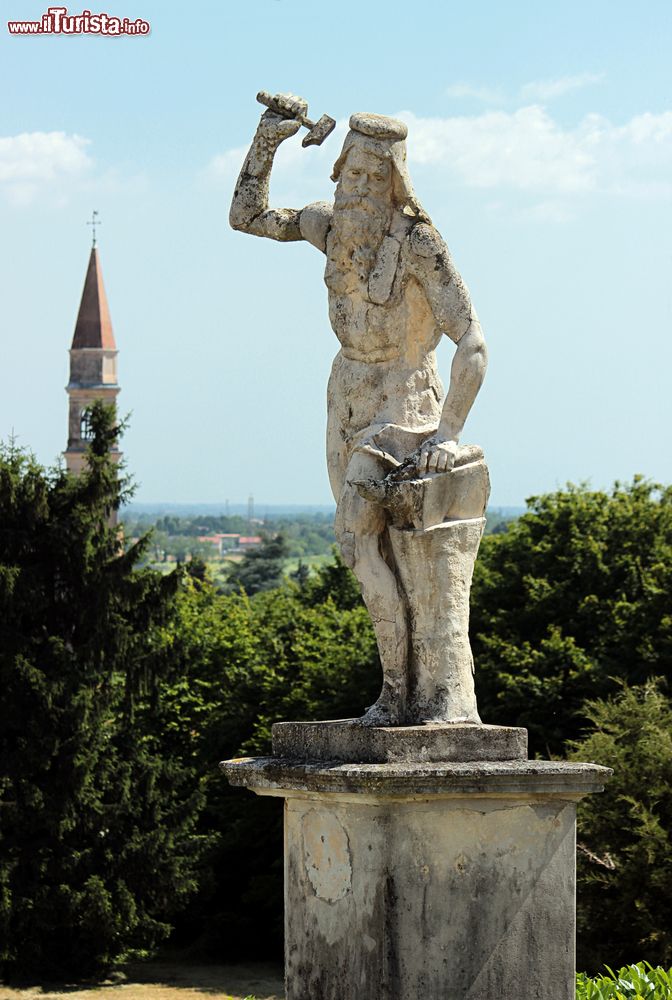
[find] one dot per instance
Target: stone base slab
(420, 881)
(348, 741)
(281, 776)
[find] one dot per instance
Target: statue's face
(366, 174)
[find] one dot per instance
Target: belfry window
(85, 428)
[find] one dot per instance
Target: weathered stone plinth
(348, 741)
(425, 880)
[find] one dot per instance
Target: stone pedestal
(421, 879)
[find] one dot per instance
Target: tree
(335, 582)
(570, 621)
(625, 833)
(572, 598)
(261, 568)
(97, 842)
(295, 652)
(301, 574)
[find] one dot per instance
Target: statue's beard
(357, 230)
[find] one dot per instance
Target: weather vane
(95, 221)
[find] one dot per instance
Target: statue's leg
(361, 530)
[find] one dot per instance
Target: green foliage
(260, 568)
(301, 574)
(179, 547)
(96, 839)
(121, 690)
(575, 595)
(496, 522)
(334, 581)
(246, 662)
(570, 618)
(305, 534)
(632, 982)
(625, 833)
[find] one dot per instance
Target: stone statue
(410, 499)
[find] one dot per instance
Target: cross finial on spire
(95, 221)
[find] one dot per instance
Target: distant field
(217, 568)
(312, 562)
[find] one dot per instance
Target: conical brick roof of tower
(94, 326)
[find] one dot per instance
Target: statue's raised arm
(250, 211)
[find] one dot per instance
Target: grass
(167, 981)
(177, 981)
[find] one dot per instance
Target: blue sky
(540, 141)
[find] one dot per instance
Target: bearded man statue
(392, 436)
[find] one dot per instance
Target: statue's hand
(274, 127)
(437, 455)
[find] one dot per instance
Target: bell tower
(93, 362)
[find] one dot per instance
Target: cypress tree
(96, 830)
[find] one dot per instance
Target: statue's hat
(384, 137)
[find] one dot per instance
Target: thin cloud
(525, 150)
(31, 161)
(553, 212)
(487, 95)
(548, 90)
(528, 150)
(225, 166)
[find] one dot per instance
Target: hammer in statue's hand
(291, 107)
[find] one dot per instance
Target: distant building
(225, 541)
(214, 540)
(249, 541)
(93, 364)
